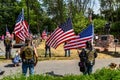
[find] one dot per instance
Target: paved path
(59, 67)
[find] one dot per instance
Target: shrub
(103, 74)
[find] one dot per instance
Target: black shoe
(2, 72)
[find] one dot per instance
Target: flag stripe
(21, 27)
(50, 39)
(62, 33)
(66, 36)
(80, 40)
(56, 37)
(77, 44)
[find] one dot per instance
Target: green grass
(103, 74)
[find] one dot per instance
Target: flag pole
(91, 22)
(23, 13)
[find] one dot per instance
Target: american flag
(44, 35)
(63, 33)
(80, 40)
(21, 27)
(7, 32)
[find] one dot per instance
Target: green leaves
(99, 25)
(103, 74)
(79, 22)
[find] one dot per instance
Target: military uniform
(8, 46)
(29, 57)
(87, 56)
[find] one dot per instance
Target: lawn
(58, 54)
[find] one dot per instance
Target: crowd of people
(28, 56)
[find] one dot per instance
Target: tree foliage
(79, 22)
(99, 26)
(48, 14)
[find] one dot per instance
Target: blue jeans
(89, 69)
(25, 67)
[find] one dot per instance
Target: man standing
(47, 50)
(87, 57)
(67, 51)
(29, 57)
(8, 46)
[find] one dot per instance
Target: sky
(96, 7)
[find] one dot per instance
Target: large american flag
(21, 27)
(62, 33)
(80, 40)
(7, 32)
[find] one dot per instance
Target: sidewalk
(58, 67)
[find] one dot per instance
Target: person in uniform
(29, 57)
(8, 47)
(87, 58)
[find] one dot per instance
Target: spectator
(8, 46)
(29, 57)
(16, 60)
(87, 58)
(47, 50)
(67, 51)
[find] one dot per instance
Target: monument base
(105, 41)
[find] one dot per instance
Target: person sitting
(16, 60)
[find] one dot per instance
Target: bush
(103, 74)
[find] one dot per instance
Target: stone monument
(105, 41)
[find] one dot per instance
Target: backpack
(82, 66)
(90, 56)
(82, 55)
(28, 54)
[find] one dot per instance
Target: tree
(7, 14)
(99, 26)
(55, 10)
(80, 22)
